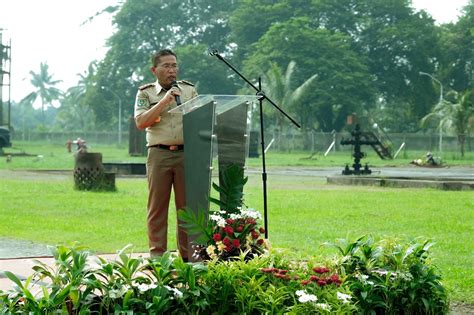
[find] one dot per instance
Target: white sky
(50, 31)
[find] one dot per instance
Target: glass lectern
(216, 128)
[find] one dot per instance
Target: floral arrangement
(233, 234)
(231, 231)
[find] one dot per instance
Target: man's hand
(170, 95)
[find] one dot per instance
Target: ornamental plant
(232, 234)
(231, 230)
(390, 275)
(383, 277)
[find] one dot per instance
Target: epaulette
(141, 88)
(185, 82)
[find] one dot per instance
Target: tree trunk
(461, 140)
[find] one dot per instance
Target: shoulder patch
(143, 87)
(185, 82)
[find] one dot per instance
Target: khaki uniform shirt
(169, 129)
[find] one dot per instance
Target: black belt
(176, 147)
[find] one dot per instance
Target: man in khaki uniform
(164, 135)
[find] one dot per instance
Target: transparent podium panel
(216, 134)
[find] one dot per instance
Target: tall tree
(281, 89)
(457, 42)
(398, 42)
(45, 89)
(75, 113)
(343, 83)
(456, 112)
(252, 19)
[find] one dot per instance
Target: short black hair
(155, 59)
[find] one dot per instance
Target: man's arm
(152, 115)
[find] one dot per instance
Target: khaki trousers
(165, 169)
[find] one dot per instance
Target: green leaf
(197, 224)
(13, 278)
(232, 181)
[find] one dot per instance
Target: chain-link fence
(322, 142)
(285, 142)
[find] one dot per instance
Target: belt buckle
(173, 147)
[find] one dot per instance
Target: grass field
(303, 211)
(54, 156)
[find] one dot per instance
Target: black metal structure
(262, 97)
(357, 140)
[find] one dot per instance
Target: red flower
(314, 278)
(226, 241)
(217, 237)
(260, 241)
(228, 248)
(267, 270)
(285, 277)
(229, 221)
(322, 282)
(282, 271)
(251, 221)
(236, 243)
(305, 282)
(261, 230)
(335, 279)
(255, 235)
(320, 270)
(229, 230)
(240, 228)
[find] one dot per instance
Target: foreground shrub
(391, 277)
(384, 277)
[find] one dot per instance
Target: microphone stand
(261, 97)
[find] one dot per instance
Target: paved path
(461, 173)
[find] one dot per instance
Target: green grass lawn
(303, 213)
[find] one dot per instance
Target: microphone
(213, 52)
(176, 97)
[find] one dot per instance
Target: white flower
(143, 287)
(300, 292)
(251, 213)
(345, 298)
(304, 297)
(220, 221)
(362, 277)
(324, 306)
(307, 298)
(211, 251)
(177, 294)
(220, 246)
(380, 272)
(236, 216)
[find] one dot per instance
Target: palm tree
(457, 112)
(279, 87)
(45, 89)
(75, 113)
